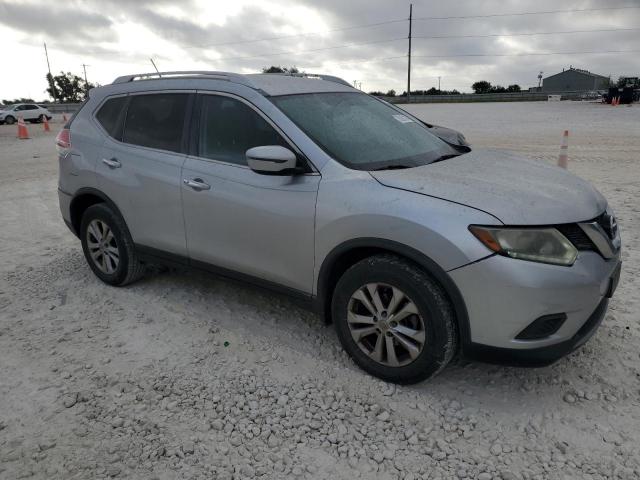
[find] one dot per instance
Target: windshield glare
(361, 132)
(6, 107)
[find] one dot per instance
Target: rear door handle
(197, 184)
(111, 163)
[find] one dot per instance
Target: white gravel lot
(183, 375)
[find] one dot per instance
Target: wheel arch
(83, 199)
(350, 252)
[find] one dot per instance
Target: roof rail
(321, 76)
(231, 77)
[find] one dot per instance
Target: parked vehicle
(30, 112)
(414, 249)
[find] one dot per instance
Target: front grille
(576, 236)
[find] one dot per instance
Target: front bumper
(540, 356)
(503, 296)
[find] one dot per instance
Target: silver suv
(414, 247)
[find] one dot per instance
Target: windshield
(361, 132)
(6, 107)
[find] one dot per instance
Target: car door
(21, 111)
(31, 112)
(235, 218)
(140, 163)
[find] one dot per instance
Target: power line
(377, 24)
(282, 37)
(381, 59)
(294, 52)
(517, 14)
(527, 33)
(373, 42)
(525, 54)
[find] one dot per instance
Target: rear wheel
(9, 120)
(108, 247)
(394, 320)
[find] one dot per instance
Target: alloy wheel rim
(102, 246)
(386, 324)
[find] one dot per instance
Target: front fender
(357, 206)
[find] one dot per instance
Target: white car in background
(30, 112)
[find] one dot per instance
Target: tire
(41, 118)
(9, 120)
(116, 261)
(419, 293)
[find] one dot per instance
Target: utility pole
(52, 85)
(438, 84)
(409, 57)
(86, 84)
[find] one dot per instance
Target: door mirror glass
(271, 159)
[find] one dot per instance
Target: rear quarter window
(110, 116)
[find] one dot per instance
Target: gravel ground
(182, 375)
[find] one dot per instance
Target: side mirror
(271, 159)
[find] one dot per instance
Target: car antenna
(154, 66)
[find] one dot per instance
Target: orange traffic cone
(563, 159)
(23, 133)
(46, 124)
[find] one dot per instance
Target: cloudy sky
(364, 40)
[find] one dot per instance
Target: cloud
(117, 36)
(56, 20)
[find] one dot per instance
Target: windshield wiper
(392, 167)
(446, 157)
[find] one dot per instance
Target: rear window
(110, 116)
(156, 121)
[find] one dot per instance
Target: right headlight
(544, 245)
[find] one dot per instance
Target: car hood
(515, 190)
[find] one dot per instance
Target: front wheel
(108, 247)
(9, 120)
(394, 320)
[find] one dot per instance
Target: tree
(67, 87)
(624, 81)
(18, 100)
(514, 88)
(279, 69)
(391, 93)
(481, 87)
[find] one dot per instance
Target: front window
(361, 132)
(228, 128)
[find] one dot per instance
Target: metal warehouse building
(574, 79)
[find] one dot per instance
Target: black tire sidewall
(427, 295)
(104, 213)
(9, 120)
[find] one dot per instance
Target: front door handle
(111, 163)
(197, 184)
